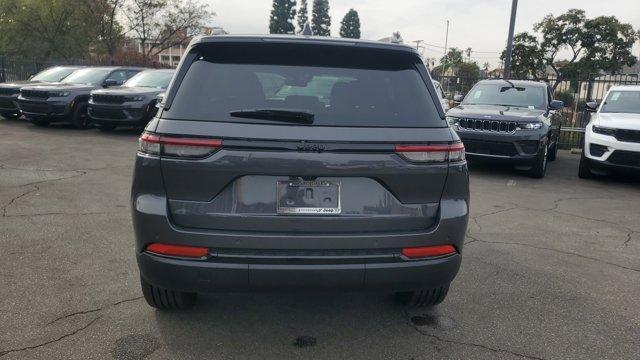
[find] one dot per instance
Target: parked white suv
(612, 137)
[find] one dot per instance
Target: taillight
(171, 146)
(178, 250)
(436, 153)
(428, 251)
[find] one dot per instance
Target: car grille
(625, 158)
(34, 108)
(490, 148)
(487, 125)
(35, 94)
(628, 135)
(9, 91)
(107, 99)
(101, 113)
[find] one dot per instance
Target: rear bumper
(211, 276)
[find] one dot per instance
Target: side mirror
(457, 98)
(591, 106)
(111, 82)
(160, 100)
(556, 105)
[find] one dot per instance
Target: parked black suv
(133, 104)
(9, 91)
(290, 162)
(67, 100)
(508, 120)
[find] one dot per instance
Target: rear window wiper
(294, 116)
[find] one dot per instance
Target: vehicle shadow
(253, 325)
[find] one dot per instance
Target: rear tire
(39, 121)
(165, 299)
(423, 298)
(80, 118)
(539, 168)
(584, 169)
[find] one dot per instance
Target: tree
(303, 14)
(321, 21)
(602, 44)
(161, 24)
(468, 69)
(282, 15)
(527, 59)
(451, 60)
(45, 29)
(103, 15)
(468, 51)
(350, 25)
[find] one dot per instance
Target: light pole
(512, 25)
(446, 39)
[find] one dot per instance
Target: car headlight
(134, 98)
(604, 130)
(529, 126)
(58, 94)
(453, 121)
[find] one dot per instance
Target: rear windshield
(507, 95)
(340, 86)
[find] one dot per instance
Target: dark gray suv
(288, 163)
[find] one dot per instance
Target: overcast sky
(479, 24)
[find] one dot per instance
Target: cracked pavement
(551, 270)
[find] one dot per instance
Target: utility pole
(446, 39)
(512, 25)
(418, 44)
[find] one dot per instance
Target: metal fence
(20, 68)
(574, 92)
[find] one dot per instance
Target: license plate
(308, 197)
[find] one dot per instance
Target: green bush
(566, 97)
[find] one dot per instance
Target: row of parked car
(519, 122)
(105, 97)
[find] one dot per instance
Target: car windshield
(53, 74)
(507, 94)
(334, 86)
(622, 102)
(87, 76)
(152, 78)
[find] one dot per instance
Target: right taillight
(435, 153)
(180, 147)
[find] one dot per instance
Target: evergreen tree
(350, 26)
(321, 21)
(282, 15)
(303, 14)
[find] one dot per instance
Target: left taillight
(180, 147)
(435, 153)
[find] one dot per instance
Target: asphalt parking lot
(551, 270)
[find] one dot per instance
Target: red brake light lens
(177, 146)
(436, 153)
(428, 251)
(178, 250)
